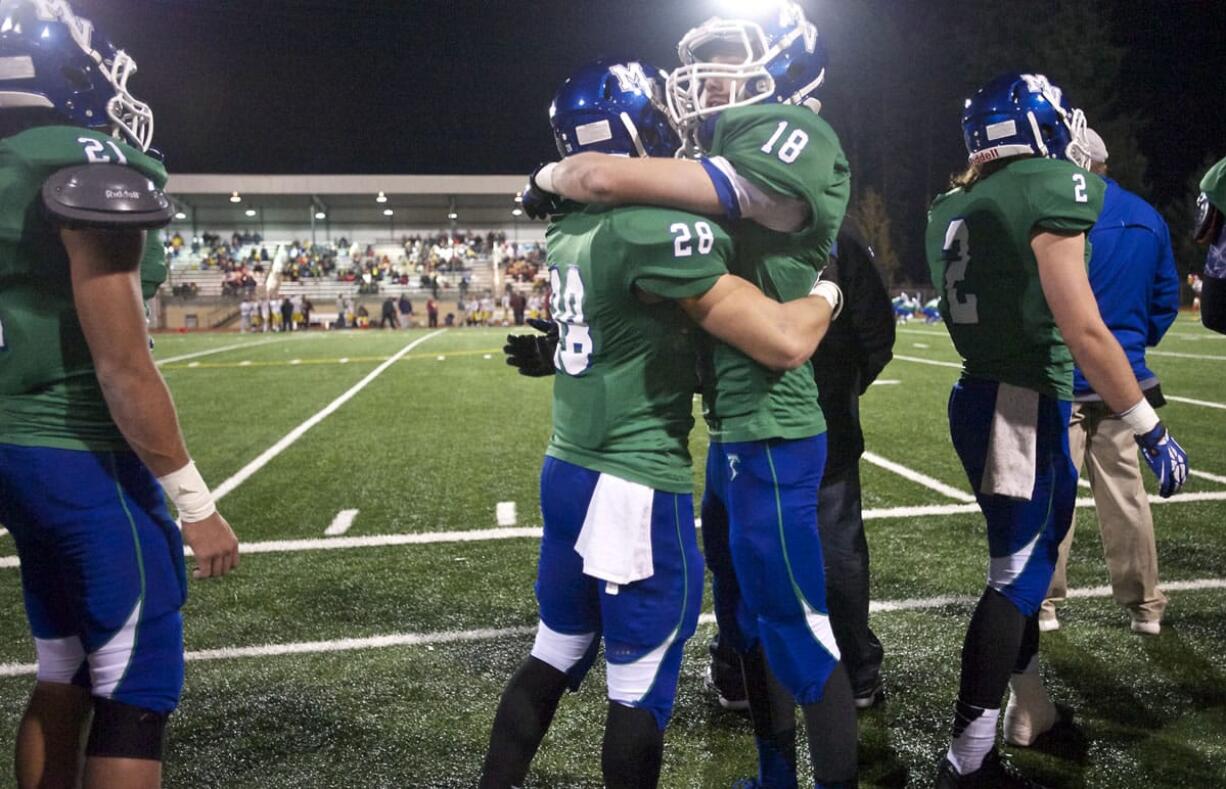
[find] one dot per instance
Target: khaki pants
(1112, 467)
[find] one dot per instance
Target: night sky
(419, 86)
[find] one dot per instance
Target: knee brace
(121, 731)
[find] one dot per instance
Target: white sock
(1027, 685)
(974, 736)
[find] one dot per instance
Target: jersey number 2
(574, 353)
(963, 307)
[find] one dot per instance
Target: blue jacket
(1132, 272)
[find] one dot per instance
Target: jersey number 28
(575, 351)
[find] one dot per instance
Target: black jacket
(855, 349)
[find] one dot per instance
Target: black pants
(845, 551)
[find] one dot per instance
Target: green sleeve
(1214, 185)
(671, 254)
(789, 151)
(47, 149)
(1064, 198)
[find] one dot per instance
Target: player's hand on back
(538, 201)
(214, 545)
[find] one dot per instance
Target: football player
(1007, 250)
(89, 439)
(619, 557)
(743, 100)
(1211, 230)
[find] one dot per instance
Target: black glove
(532, 354)
(538, 203)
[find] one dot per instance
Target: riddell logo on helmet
(122, 194)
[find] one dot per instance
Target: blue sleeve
(1164, 304)
(723, 188)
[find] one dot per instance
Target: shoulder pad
(105, 196)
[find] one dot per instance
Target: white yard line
(246, 471)
(1206, 475)
(917, 477)
(223, 349)
(954, 365)
(524, 532)
(341, 523)
(1190, 401)
(492, 634)
(1187, 355)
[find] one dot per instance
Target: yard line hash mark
(341, 523)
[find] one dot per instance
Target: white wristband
(831, 293)
(190, 495)
(544, 178)
(1141, 417)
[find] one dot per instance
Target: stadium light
(320, 215)
(382, 198)
(517, 212)
(739, 9)
(388, 212)
(519, 197)
(250, 212)
(180, 215)
(234, 198)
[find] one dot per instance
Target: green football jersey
(623, 395)
(792, 152)
(49, 392)
(1214, 185)
(980, 260)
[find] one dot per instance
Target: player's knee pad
(121, 731)
(563, 652)
(59, 659)
(1023, 576)
(802, 652)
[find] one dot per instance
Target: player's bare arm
(778, 336)
(106, 292)
(619, 180)
(1062, 272)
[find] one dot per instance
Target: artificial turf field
(375, 658)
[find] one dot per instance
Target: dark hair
(974, 173)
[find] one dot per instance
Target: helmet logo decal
(82, 30)
(1000, 130)
(631, 77)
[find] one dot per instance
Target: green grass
(433, 445)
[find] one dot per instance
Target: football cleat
(992, 774)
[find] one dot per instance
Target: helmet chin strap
(634, 135)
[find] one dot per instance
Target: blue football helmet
(1023, 115)
(773, 56)
(53, 62)
(613, 106)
